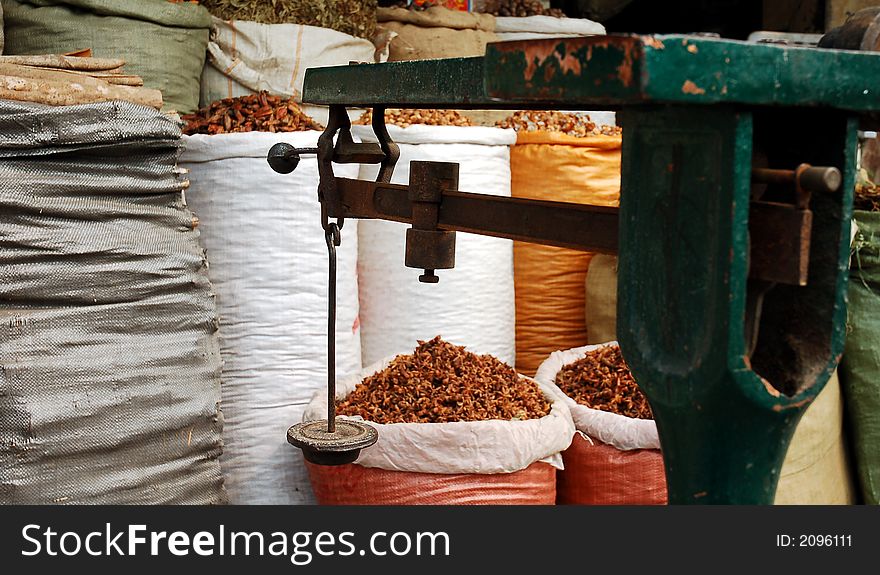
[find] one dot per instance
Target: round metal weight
(338, 448)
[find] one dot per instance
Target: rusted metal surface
(390, 150)
(780, 233)
(805, 177)
(610, 71)
(426, 246)
(333, 237)
(580, 73)
(575, 226)
(430, 250)
(780, 242)
(341, 446)
(328, 441)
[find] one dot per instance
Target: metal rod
(333, 238)
(811, 178)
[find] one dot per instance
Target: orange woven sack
(354, 484)
(614, 459)
(549, 281)
(598, 474)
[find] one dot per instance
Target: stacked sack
(163, 42)
(436, 32)
(269, 264)
(109, 353)
(273, 53)
(529, 20)
(473, 303)
(567, 158)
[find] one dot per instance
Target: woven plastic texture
(354, 484)
(109, 355)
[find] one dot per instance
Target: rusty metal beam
(780, 234)
(575, 226)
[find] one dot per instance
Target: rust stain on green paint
(690, 88)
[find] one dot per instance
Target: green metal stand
(729, 358)
(683, 270)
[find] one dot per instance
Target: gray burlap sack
(109, 354)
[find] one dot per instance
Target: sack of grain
(860, 366)
(269, 260)
(246, 57)
(437, 32)
(615, 459)
(473, 303)
(600, 299)
(530, 20)
(161, 41)
(817, 468)
(483, 436)
(547, 165)
(109, 353)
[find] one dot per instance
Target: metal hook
(332, 235)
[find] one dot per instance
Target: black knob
(283, 158)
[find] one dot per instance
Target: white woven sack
(509, 28)
(490, 446)
(246, 57)
(268, 264)
(473, 304)
(624, 433)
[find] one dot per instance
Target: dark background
(729, 18)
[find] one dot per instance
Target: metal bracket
(780, 232)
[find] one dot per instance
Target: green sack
(860, 367)
(161, 41)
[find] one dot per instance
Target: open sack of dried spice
(455, 428)
(615, 458)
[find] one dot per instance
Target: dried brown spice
(406, 117)
(867, 196)
(355, 17)
(261, 112)
(520, 8)
(440, 383)
(578, 125)
(602, 380)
